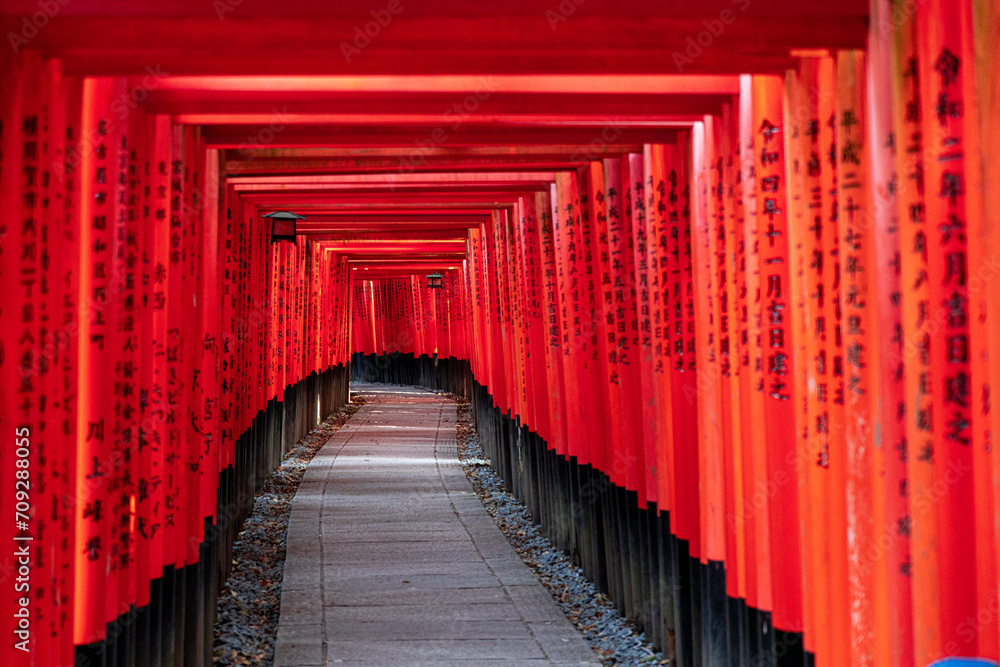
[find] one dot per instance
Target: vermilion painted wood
(658, 240)
(814, 342)
(377, 222)
(670, 277)
(707, 209)
(600, 42)
(724, 167)
(625, 371)
(988, 638)
(751, 388)
(127, 250)
(642, 341)
(248, 161)
(860, 321)
(985, 22)
(192, 461)
(528, 233)
(566, 243)
(184, 239)
(9, 380)
(735, 286)
(778, 343)
(29, 408)
(940, 35)
(906, 89)
(605, 315)
(92, 544)
(891, 590)
(685, 362)
(515, 298)
(587, 295)
(42, 604)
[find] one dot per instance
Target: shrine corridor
(720, 281)
(393, 560)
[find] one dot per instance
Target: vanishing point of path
(392, 559)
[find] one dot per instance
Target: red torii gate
(743, 321)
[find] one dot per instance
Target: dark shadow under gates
(629, 553)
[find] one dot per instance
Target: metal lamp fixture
(435, 281)
(283, 225)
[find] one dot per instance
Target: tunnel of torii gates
(720, 280)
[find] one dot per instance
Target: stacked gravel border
(247, 613)
(613, 637)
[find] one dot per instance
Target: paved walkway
(392, 559)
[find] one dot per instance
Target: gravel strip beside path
(613, 637)
(247, 612)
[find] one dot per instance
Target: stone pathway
(392, 559)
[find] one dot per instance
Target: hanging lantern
(435, 281)
(283, 225)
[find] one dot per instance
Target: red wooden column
(566, 232)
(604, 345)
(684, 365)
(95, 594)
(645, 409)
(892, 592)
(587, 318)
(623, 374)
(821, 457)
(707, 211)
(796, 112)
(10, 111)
(757, 498)
(983, 269)
(723, 254)
(153, 442)
(49, 442)
(180, 314)
(739, 346)
(193, 455)
(209, 343)
(523, 298)
(531, 280)
(920, 562)
(835, 538)
(513, 353)
(487, 309)
(860, 336)
(657, 243)
(500, 324)
(948, 451)
(480, 364)
(228, 331)
(125, 285)
(732, 292)
(64, 128)
(986, 24)
(550, 309)
(25, 372)
(778, 343)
